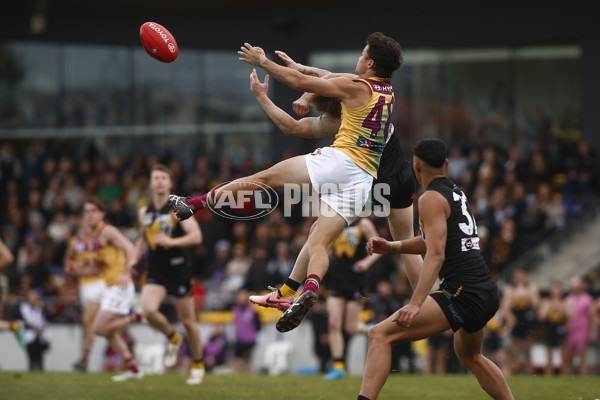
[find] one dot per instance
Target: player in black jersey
(394, 171)
(467, 297)
(164, 238)
(346, 279)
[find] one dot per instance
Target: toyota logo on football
(171, 47)
(251, 200)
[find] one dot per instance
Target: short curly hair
(385, 52)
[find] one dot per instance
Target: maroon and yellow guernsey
(365, 130)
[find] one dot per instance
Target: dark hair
(385, 52)
(97, 202)
(162, 168)
(431, 151)
(328, 105)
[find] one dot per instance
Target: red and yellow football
(158, 42)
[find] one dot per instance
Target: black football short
(348, 291)
(402, 187)
(468, 309)
(179, 288)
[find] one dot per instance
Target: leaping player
(350, 163)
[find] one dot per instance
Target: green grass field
(41, 386)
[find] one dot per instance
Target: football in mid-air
(158, 42)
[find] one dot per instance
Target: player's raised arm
(284, 121)
(304, 69)
(341, 88)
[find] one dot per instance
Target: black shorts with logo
(468, 308)
(402, 187)
(179, 287)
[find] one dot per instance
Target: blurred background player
(346, 279)
(91, 288)
(554, 312)
(164, 238)
(114, 256)
(18, 327)
(348, 166)
(520, 301)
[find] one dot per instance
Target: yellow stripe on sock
(198, 365)
(339, 365)
(287, 291)
(174, 338)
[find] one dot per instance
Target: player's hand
(404, 316)
(288, 61)
(302, 105)
(378, 245)
(123, 280)
(252, 55)
(361, 265)
(257, 87)
(162, 240)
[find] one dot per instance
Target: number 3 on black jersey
(469, 227)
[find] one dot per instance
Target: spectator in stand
(457, 164)
(516, 164)
(531, 224)
(504, 247)
(551, 205)
(257, 276)
(33, 313)
(579, 326)
(215, 348)
(236, 270)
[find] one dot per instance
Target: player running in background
(164, 237)
(18, 326)
(520, 301)
(347, 283)
(554, 313)
(114, 258)
(91, 288)
(467, 297)
(349, 164)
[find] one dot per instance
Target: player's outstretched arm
(415, 245)
(312, 71)
(341, 88)
(283, 120)
(434, 213)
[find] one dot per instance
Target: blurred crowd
(519, 198)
